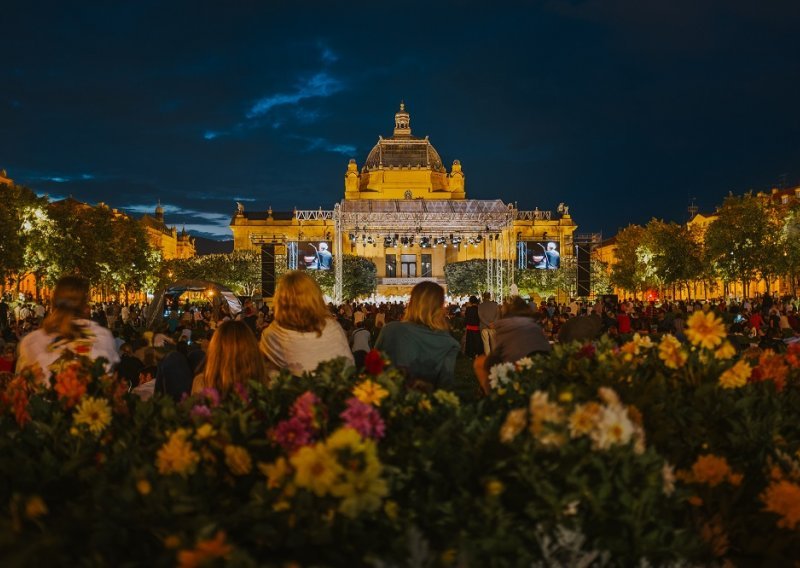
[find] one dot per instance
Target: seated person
(421, 344)
(303, 333)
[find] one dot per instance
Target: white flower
(609, 396)
(498, 375)
(525, 363)
(614, 427)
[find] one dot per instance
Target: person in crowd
(303, 332)
(129, 365)
(359, 343)
(421, 344)
(517, 335)
(473, 346)
(8, 359)
(66, 327)
(583, 328)
(175, 374)
(488, 312)
(232, 360)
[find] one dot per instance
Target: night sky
(622, 109)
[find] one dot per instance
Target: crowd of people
(194, 347)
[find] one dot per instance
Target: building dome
(402, 150)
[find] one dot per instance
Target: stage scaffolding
(491, 219)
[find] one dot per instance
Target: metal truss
(534, 215)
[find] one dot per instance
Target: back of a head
(233, 357)
(69, 301)
(298, 303)
(516, 306)
(426, 306)
(487, 296)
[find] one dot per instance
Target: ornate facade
(407, 213)
(168, 240)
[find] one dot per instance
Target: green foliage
(744, 240)
(465, 278)
(239, 270)
(359, 278)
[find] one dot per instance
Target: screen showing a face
(543, 255)
(314, 255)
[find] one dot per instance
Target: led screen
(543, 255)
(314, 255)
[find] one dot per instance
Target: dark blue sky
(623, 109)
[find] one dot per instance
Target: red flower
(373, 362)
(586, 352)
(82, 349)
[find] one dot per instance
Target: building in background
(168, 240)
(407, 213)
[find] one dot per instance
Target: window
(408, 265)
(426, 267)
(391, 266)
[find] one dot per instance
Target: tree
(22, 218)
(630, 270)
(239, 270)
(466, 277)
(675, 253)
(744, 241)
(359, 278)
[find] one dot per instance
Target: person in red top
(8, 360)
(756, 321)
(623, 320)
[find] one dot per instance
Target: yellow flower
(143, 487)
(629, 350)
(447, 398)
(345, 438)
(35, 507)
(514, 424)
(425, 405)
(671, 352)
(205, 431)
(316, 469)
(583, 420)
(725, 351)
(362, 492)
(705, 330)
(736, 376)
(94, 413)
(177, 455)
(275, 472)
(494, 488)
(565, 397)
(783, 498)
(643, 342)
(238, 460)
(390, 508)
(370, 392)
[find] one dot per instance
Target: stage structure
(405, 212)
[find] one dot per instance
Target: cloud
(319, 85)
(62, 178)
(328, 146)
(328, 56)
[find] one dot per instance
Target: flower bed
(613, 454)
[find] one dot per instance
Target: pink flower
(292, 434)
(307, 408)
(212, 395)
(364, 419)
(201, 411)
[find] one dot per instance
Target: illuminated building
(168, 240)
(407, 213)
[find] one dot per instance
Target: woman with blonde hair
(421, 344)
(303, 333)
(66, 327)
(232, 359)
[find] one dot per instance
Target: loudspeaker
(267, 270)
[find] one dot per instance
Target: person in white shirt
(304, 333)
(67, 328)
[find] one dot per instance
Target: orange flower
(771, 367)
(711, 470)
(205, 551)
(783, 498)
(70, 387)
(15, 397)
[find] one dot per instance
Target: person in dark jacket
(473, 344)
